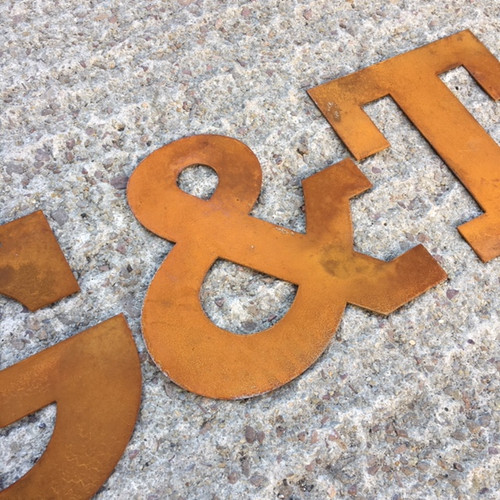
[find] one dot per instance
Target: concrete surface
(399, 407)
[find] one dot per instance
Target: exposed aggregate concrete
(400, 407)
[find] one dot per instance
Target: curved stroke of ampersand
(184, 343)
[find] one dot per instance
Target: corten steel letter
(33, 269)
(95, 380)
(412, 80)
(208, 360)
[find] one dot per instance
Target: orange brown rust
(95, 380)
(33, 269)
(412, 80)
(185, 344)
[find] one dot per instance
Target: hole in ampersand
(199, 181)
(241, 300)
(23, 442)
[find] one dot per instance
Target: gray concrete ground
(398, 407)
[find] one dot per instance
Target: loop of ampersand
(184, 343)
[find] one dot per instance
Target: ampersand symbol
(185, 344)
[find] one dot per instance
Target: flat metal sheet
(412, 80)
(208, 360)
(33, 269)
(95, 380)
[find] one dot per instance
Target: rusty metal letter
(33, 269)
(184, 343)
(95, 380)
(412, 80)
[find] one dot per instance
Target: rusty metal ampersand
(185, 344)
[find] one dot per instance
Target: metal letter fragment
(412, 80)
(184, 343)
(95, 380)
(33, 269)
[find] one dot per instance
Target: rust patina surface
(412, 80)
(33, 269)
(208, 360)
(95, 380)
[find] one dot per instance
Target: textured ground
(399, 407)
